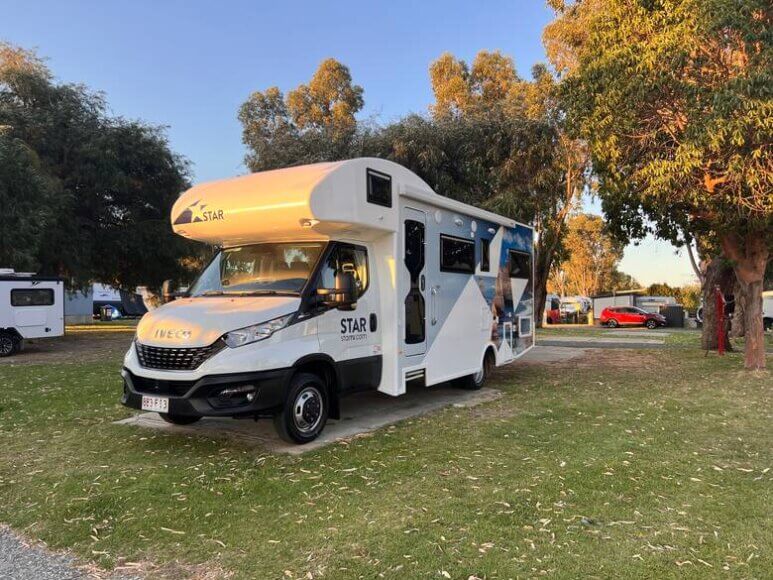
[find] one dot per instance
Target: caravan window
(32, 297)
(379, 188)
(457, 255)
(520, 265)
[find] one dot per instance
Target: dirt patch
(74, 347)
(614, 358)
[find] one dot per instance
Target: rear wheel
(8, 344)
(179, 419)
(305, 411)
(651, 324)
(612, 323)
(476, 380)
(767, 324)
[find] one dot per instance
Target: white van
(31, 306)
(331, 278)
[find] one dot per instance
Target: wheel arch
(13, 332)
(324, 367)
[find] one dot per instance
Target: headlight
(255, 332)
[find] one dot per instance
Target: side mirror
(344, 295)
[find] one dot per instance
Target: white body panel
(32, 320)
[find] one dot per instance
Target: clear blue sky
(189, 65)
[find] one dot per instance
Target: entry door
(414, 287)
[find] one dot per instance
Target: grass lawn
(634, 463)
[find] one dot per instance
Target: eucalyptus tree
(89, 194)
(674, 98)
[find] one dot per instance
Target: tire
(767, 324)
(179, 419)
(9, 345)
(651, 324)
(612, 323)
(476, 381)
(305, 411)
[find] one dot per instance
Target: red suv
(615, 316)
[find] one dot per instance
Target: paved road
(19, 561)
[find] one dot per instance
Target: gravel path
(19, 561)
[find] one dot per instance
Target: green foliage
(315, 122)
(674, 100)
(27, 205)
(688, 296)
(90, 194)
(590, 260)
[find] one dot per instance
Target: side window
(346, 258)
(485, 265)
(457, 255)
(379, 188)
(32, 297)
(520, 265)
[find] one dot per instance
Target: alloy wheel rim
(307, 410)
(6, 345)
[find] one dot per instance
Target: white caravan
(331, 278)
(30, 307)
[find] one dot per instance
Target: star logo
(198, 212)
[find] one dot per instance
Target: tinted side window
(457, 255)
(485, 266)
(32, 297)
(346, 258)
(379, 188)
(520, 265)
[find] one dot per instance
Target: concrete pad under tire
(360, 413)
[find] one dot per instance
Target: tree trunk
(544, 259)
(738, 323)
(750, 258)
(718, 274)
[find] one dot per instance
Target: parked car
(615, 316)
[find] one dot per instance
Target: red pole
(720, 322)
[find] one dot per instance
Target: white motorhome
(31, 306)
(331, 278)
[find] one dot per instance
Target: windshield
(276, 268)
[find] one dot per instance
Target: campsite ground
(581, 468)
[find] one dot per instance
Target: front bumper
(202, 397)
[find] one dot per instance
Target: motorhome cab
(331, 278)
(31, 306)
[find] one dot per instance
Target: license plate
(157, 404)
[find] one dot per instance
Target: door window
(414, 301)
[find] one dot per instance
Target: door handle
(421, 282)
(373, 322)
(433, 305)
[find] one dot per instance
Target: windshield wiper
(212, 293)
(267, 292)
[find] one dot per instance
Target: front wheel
(304, 414)
(179, 419)
(767, 324)
(651, 324)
